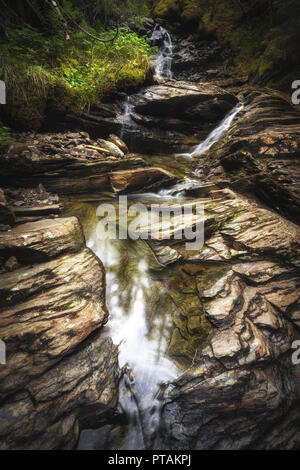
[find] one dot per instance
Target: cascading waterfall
(162, 69)
(141, 334)
(217, 133)
(163, 61)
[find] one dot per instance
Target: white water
(142, 351)
(124, 117)
(162, 67)
(216, 134)
(163, 60)
(143, 348)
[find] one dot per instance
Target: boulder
(60, 374)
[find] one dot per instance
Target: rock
(43, 240)
(146, 178)
(11, 264)
(37, 211)
(175, 99)
(67, 172)
(60, 374)
(111, 147)
(4, 228)
(262, 154)
(234, 396)
(6, 214)
(165, 116)
(78, 392)
(118, 142)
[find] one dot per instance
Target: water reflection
(141, 324)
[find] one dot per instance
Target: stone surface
(118, 142)
(242, 384)
(6, 214)
(57, 377)
(72, 163)
(183, 100)
(260, 154)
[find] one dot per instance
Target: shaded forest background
(50, 51)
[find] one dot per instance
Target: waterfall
(217, 133)
(124, 117)
(140, 335)
(163, 61)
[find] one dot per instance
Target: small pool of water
(149, 307)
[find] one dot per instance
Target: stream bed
(155, 311)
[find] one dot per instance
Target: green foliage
(260, 36)
(5, 137)
(38, 68)
(167, 9)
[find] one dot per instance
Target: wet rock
(261, 156)
(58, 376)
(234, 395)
(119, 143)
(165, 116)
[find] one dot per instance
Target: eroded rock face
(72, 163)
(173, 111)
(57, 377)
(184, 100)
(242, 387)
(260, 154)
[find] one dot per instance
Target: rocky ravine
(242, 390)
(60, 374)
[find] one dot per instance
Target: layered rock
(175, 115)
(242, 387)
(73, 163)
(57, 377)
(260, 153)
(167, 117)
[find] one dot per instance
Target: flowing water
(149, 305)
(216, 134)
(163, 60)
(162, 69)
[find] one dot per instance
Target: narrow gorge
(133, 344)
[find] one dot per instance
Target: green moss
(71, 74)
(167, 9)
(258, 40)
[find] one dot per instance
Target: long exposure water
(143, 297)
